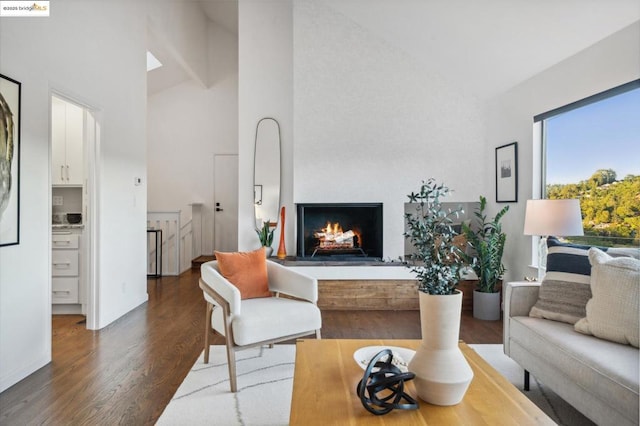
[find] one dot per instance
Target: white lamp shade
(561, 218)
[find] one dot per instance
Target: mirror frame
(274, 220)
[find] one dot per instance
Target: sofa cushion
(247, 271)
(561, 300)
(568, 258)
(565, 289)
(609, 371)
(613, 312)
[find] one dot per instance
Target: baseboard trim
(17, 375)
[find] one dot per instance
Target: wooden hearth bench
(368, 285)
(379, 294)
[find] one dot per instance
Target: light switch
(58, 200)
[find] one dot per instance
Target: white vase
(268, 251)
(442, 373)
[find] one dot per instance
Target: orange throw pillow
(247, 271)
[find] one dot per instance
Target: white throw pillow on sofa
(613, 311)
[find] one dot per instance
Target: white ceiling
(169, 74)
(223, 13)
(489, 46)
(486, 46)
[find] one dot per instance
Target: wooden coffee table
(326, 375)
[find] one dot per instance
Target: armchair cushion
(266, 319)
(247, 271)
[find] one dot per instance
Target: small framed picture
(9, 161)
(507, 173)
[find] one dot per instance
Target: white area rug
(265, 382)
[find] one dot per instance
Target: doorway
(74, 144)
(225, 197)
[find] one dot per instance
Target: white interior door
(225, 198)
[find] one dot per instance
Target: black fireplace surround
(364, 219)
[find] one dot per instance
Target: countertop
(59, 226)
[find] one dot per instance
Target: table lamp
(544, 218)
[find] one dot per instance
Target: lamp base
(542, 258)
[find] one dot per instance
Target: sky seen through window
(602, 135)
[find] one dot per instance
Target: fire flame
(333, 228)
(334, 236)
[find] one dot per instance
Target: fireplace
(339, 231)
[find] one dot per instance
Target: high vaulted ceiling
(486, 46)
(489, 46)
(223, 13)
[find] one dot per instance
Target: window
(591, 151)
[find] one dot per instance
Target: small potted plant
(486, 240)
(265, 235)
(442, 373)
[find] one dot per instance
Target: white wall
(607, 64)
(265, 67)
(186, 126)
(75, 51)
(371, 122)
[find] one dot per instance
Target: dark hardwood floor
(127, 372)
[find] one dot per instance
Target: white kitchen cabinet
(65, 267)
(65, 240)
(64, 290)
(67, 137)
(64, 263)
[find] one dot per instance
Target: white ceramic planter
(486, 306)
(442, 373)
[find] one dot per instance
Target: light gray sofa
(598, 377)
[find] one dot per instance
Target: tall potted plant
(265, 235)
(486, 240)
(442, 373)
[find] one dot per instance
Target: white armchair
(261, 321)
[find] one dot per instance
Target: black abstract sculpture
(382, 386)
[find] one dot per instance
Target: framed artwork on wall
(507, 173)
(9, 161)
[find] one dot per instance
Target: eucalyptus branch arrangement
(437, 262)
(265, 234)
(488, 243)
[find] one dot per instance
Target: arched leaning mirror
(266, 177)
